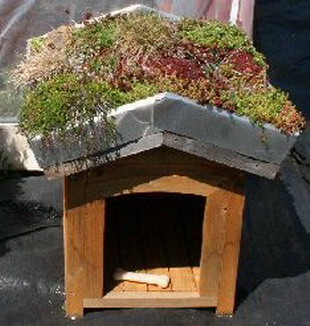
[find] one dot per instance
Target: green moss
(61, 103)
(214, 34)
(217, 35)
(118, 60)
(147, 32)
(95, 37)
(37, 43)
(260, 106)
(65, 103)
(141, 91)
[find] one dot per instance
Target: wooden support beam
(213, 242)
(230, 259)
(150, 300)
(83, 242)
(221, 245)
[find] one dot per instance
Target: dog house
(167, 199)
(165, 177)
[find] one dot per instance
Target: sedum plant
(77, 72)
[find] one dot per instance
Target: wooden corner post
(83, 243)
(221, 245)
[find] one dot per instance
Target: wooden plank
(152, 183)
(152, 142)
(213, 242)
(220, 155)
(74, 283)
(150, 300)
(151, 295)
(230, 258)
(196, 276)
(175, 184)
(128, 173)
(83, 243)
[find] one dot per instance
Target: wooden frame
(159, 170)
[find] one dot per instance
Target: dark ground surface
(274, 273)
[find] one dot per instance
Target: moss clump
(116, 60)
(95, 37)
(148, 33)
(58, 104)
(216, 35)
(37, 43)
(72, 102)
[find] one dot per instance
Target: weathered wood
(230, 258)
(213, 242)
(174, 184)
(181, 143)
(150, 300)
(83, 242)
(141, 170)
(182, 280)
(213, 284)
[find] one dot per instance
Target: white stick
(159, 280)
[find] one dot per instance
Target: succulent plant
(110, 61)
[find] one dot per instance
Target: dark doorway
(155, 233)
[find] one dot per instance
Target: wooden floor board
(150, 300)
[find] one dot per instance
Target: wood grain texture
(213, 242)
(221, 244)
(176, 184)
(135, 174)
(207, 151)
(83, 242)
(182, 280)
(171, 172)
(150, 300)
(230, 258)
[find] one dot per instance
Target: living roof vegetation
(75, 73)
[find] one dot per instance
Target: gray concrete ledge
(15, 148)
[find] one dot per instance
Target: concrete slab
(15, 147)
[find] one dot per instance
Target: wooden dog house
(168, 152)
(90, 196)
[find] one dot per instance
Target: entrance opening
(158, 233)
